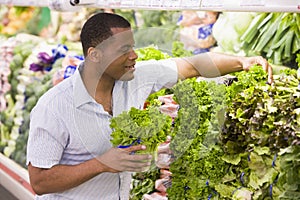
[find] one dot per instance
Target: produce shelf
(218, 5)
(6, 194)
(15, 179)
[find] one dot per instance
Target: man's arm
(63, 177)
(217, 64)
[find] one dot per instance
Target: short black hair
(98, 28)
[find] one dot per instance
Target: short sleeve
(168, 74)
(157, 73)
(47, 138)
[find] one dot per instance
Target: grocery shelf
(15, 179)
(217, 5)
(5, 194)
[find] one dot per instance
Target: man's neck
(100, 88)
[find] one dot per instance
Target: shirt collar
(81, 95)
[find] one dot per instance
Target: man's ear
(94, 54)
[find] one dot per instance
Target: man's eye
(126, 49)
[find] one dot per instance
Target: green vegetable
(198, 165)
(274, 36)
(229, 28)
(149, 127)
(151, 52)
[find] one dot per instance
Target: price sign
(190, 3)
(114, 2)
(252, 3)
(142, 3)
(127, 3)
(156, 3)
(172, 3)
(212, 4)
(102, 2)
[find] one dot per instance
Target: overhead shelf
(217, 5)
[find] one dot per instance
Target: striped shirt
(69, 127)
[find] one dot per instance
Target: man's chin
(127, 77)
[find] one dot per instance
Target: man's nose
(133, 55)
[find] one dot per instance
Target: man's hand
(247, 62)
(213, 64)
(118, 159)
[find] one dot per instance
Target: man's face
(118, 56)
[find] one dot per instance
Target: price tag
(114, 2)
(191, 4)
(252, 2)
(172, 3)
(127, 3)
(102, 2)
(142, 3)
(212, 4)
(156, 3)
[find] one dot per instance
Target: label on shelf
(252, 2)
(172, 3)
(114, 2)
(212, 4)
(102, 3)
(142, 3)
(127, 3)
(190, 4)
(156, 3)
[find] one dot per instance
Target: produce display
(18, 19)
(230, 142)
(236, 140)
(30, 68)
(229, 28)
(272, 35)
(262, 118)
(275, 36)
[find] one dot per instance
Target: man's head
(108, 42)
(98, 28)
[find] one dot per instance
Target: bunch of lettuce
(144, 183)
(288, 180)
(261, 120)
(149, 127)
(261, 114)
(178, 50)
(198, 164)
(151, 52)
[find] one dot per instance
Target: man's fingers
(135, 148)
(270, 74)
(266, 66)
(137, 163)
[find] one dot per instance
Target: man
(69, 154)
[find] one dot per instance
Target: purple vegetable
(36, 67)
(44, 58)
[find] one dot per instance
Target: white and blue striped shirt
(69, 127)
